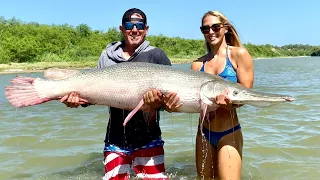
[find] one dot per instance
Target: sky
(275, 22)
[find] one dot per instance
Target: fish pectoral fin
(204, 108)
(133, 112)
(203, 114)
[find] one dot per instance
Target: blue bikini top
(228, 73)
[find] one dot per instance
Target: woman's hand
(223, 101)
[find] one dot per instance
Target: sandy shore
(42, 66)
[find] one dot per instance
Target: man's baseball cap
(127, 15)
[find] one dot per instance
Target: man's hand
(153, 99)
(73, 100)
(170, 101)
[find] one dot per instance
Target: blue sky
(276, 22)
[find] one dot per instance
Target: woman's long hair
(231, 36)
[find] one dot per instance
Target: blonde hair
(231, 36)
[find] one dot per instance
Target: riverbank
(83, 64)
(41, 66)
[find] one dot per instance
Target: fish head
(239, 94)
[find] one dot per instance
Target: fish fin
(58, 74)
(203, 114)
(133, 112)
(23, 93)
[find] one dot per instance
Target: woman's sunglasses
(214, 27)
(130, 25)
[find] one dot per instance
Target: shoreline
(42, 66)
(280, 57)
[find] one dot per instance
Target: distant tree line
(34, 42)
(316, 53)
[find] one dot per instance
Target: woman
(219, 139)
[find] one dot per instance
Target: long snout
(260, 99)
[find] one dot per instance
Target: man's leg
(116, 166)
(149, 163)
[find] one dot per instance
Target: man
(139, 143)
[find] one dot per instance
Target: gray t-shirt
(139, 131)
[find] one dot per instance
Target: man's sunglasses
(130, 25)
(214, 27)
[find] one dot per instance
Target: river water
(50, 141)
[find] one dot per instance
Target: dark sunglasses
(130, 25)
(214, 27)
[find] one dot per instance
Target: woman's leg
(230, 156)
(206, 157)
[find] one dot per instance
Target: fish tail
(23, 93)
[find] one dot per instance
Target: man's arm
(102, 59)
(163, 58)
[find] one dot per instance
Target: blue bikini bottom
(214, 137)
